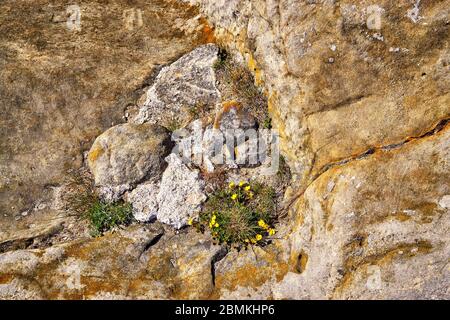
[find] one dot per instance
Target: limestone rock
(181, 193)
(140, 262)
(60, 88)
(144, 199)
(126, 154)
(369, 96)
(374, 228)
(185, 84)
(173, 200)
(360, 97)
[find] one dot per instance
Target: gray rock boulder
(181, 193)
(127, 154)
(186, 83)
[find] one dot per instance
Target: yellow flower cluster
(254, 240)
(242, 185)
(265, 226)
(213, 223)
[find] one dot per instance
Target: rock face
(130, 264)
(358, 92)
(360, 96)
(340, 83)
(376, 227)
(181, 86)
(128, 153)
(61, 87)
(231, 116)
(144, 199)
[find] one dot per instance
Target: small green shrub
(267, 123)
(239, 215)
(106, 216)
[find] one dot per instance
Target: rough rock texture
(360, 96)
(126, 154)
(336, 87)
(144, 199)
(173, 200)
(362, 105)
(376, 227)
(232, 116)
(181, 86)
(59, 89)
(130, 264)
(181, 193)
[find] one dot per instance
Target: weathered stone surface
(181, 193)
(144, 199)
(59, 89)
(181, 86)
(126, 154)
(173, 200)
(250, 274)
(362, 112)
(374, 228)
(140, 262)
(337, 84)
(340, 88)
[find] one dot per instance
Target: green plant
(239, 215)
(236, 82)
(106, 216)
(221, 59)
(267, 123)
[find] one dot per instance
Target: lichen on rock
(127, 154)
(187, 82)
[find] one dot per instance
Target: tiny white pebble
(333, 47)
(331, 60)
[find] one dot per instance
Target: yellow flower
(213, 217)
(261, 223)
(216, 225)
(253, 241)
(247, 188)
(241, 183)
(247, 241)
(190, 221)
(271, 232)
(250, 195)
(234, 196)
(258, 237)
(231, 185)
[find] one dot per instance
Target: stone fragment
(181, 193)
(181, 86)
(127, 154)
